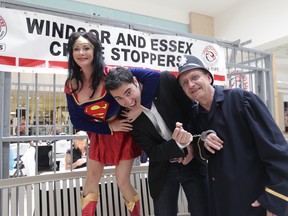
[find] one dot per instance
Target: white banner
(35, 42)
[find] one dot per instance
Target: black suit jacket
(173, 106)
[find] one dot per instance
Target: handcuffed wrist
(187, 144)
(205, 134)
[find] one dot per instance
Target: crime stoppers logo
(210, 56)
(3, 28)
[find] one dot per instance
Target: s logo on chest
(97, 110)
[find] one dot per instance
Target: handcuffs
(204, 134)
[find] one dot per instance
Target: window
(42, 94)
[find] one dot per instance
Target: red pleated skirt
(110, 149)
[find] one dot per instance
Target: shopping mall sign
(35, 42)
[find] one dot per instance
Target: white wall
(261, 21)
(157, 10)
(265, 23)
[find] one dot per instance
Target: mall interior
(34, 107)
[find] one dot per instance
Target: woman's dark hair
(74, 71)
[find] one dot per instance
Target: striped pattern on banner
(26, 62)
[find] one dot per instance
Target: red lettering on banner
(8, 60)
(175, 73)
(58, 64)
(23, 62)
(219, 77)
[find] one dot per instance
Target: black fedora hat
(189, 62)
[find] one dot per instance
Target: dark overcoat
(253, 163)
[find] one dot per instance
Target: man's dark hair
(116, 77)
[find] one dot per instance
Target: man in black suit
(158, 111)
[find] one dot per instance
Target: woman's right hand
(121, 125)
